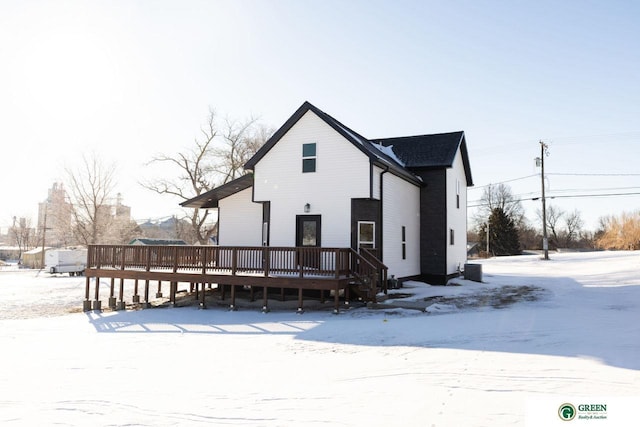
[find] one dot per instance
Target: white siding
(240, 220)
(456, 217)
(342, 173)
(401, 207)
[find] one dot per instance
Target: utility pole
(488, 222)
(544, 150)
(44, 231)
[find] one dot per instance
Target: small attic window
(309, 157)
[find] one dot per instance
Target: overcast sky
(129, 79)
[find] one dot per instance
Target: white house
(318, 183)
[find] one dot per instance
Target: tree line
(501, 228)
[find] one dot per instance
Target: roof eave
(211, 198)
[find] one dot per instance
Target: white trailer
(72, 261)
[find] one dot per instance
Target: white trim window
(309, 157)
(366, 234)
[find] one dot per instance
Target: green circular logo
(567, 412)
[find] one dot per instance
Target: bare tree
(240, 141)
(554, 215)
(574, 224)
(499, 196)
(91, 188)
(21, 234)
(217, 157)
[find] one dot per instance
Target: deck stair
(369, 277)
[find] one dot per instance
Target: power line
(593, 195)
(594, 189)
(594, 174)
(566, 196)
(503, 182)
(554, 174)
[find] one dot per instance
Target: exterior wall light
(307, 208)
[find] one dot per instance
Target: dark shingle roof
(429, 151)
(360, 142)
(409, 153)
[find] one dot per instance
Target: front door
(308, 232)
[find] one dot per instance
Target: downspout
(382, 211)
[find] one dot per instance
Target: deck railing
(285, 267)
(373, 257)
(316, 262)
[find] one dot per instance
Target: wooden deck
(324, 269)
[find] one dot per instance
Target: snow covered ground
(509, 351)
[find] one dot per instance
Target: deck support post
(97, 305)
(265, 296)
(203, 303)
(136, 297)
(233, 307)
(121, 293)
(173, 288)
(121, 305)
(112, 298)
(336, 307)
(159, 293)
(146, 294)
(300, 309)
(86, 304)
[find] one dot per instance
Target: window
(458, 193)
(309, 157)
(451, 236)
(366, 234)
(404, 242)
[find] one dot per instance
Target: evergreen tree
(503, 234)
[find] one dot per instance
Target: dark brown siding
(433, 226)
(365, 210)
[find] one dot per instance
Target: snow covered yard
(508, 351)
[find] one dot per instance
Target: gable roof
(376, 156)
(401, 156)
(211, 198)
(430, 151)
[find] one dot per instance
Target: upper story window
(309, 157)
(458, 193)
